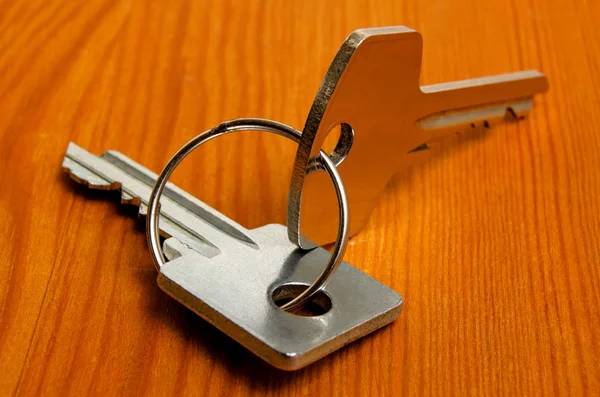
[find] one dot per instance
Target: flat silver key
(232, 277)
(388, 122)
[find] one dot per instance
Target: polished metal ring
(246, 124)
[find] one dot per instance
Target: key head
(372, 80)
(234, 290)
(372, 90)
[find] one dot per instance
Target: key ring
(253, 124)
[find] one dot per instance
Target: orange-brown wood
(494, 243)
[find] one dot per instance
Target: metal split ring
(251, 124)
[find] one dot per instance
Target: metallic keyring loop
(246, 124)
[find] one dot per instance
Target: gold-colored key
(387, 123)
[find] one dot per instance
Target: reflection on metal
(373, 86)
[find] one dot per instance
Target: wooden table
(494, 244)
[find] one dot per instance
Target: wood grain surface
(494, 243)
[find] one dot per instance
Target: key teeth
(449, 123)
(127, 199)
(84, 178)
(511, 114)
(93, 182)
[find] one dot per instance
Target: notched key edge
(491, 114)
(86, 169)
(88, 178)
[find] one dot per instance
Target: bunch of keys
(251, 284)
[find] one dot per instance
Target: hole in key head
(338, 142)
(319, 305)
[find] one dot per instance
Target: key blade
(182, 216)
(467, 104)
(462, 94)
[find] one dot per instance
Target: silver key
(232, 277)
(388, 123)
